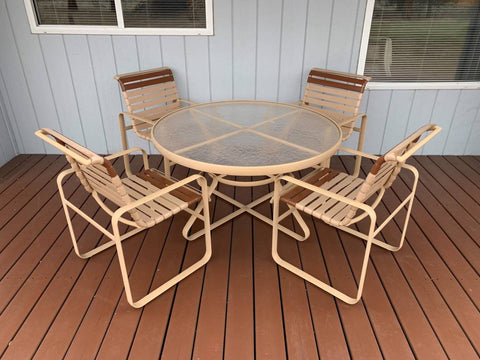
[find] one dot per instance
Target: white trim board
(120, 29)
(399, 85)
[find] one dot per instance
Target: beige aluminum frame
(368, 211)
(337, 95)
(219, 172)
(153, 90)
(116, 237)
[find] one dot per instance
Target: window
(155, 17)
(422, 41)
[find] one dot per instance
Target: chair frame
(115, 236)
(367, 211)
(136, 78)
(344, 84)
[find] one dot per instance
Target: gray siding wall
(262, 49)
(8, 148)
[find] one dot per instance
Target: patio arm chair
(338, 95)
(139, 201)
(149, 95)
(342, 200)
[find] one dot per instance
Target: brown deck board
(385, 323)
(94, 325)
(473, 162)
(13, 164)
(154, 321)
(17, 190)
(58, 264)
(123, 323)
(180, 335)
(449, 224)
(420, 302)
(210, 335)
(16, 168)
(270, 341)
(463, 193)
(23, 233)
(416, 326)
(461, 174)
(296, 311)
(437, 297)
(451, 252)
(21, 268)
(239, 327)
(467, 220)
(13, 169)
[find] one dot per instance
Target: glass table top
(246, 137)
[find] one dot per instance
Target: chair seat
(330, 210)
(342, 119)
(152, 212)
(145, 133)
(144, 129)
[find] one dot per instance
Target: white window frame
(400, 85)
(120, 28)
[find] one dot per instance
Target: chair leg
(65, 205)
(301, 222)
(123, 134)
(166, 166)
(304, 275)
(361, 138)
(191, 220)
(72, 232)
(176, 279)
(409, 211)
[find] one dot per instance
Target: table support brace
(249, 209)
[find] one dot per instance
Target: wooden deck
(422, 302)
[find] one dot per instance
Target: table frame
(271, 173)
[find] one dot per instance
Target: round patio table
(246, 138)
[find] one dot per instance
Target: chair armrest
(188, 102)
(136, 117)
(357, 152)
(435, 129)
(350, 119)
(129, 151)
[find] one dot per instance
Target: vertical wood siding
(262, 49)
(7, 146)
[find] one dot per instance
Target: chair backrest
(95, 172)
(335, 92)
(385, 170)
(149, 94)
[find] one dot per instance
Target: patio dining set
(242, 143)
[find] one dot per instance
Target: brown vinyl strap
(142, 75)
(378, 164)
(338, 76)
(160, 181)
(337, 85)
(140, 84)
(298, 193)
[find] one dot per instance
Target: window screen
(135, 13)
(422, 41)
(164, 14)
(75, 12)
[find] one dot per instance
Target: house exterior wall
(262, 49)
(8, 147)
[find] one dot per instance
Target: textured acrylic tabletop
(246, 134)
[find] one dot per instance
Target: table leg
(248, 208)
